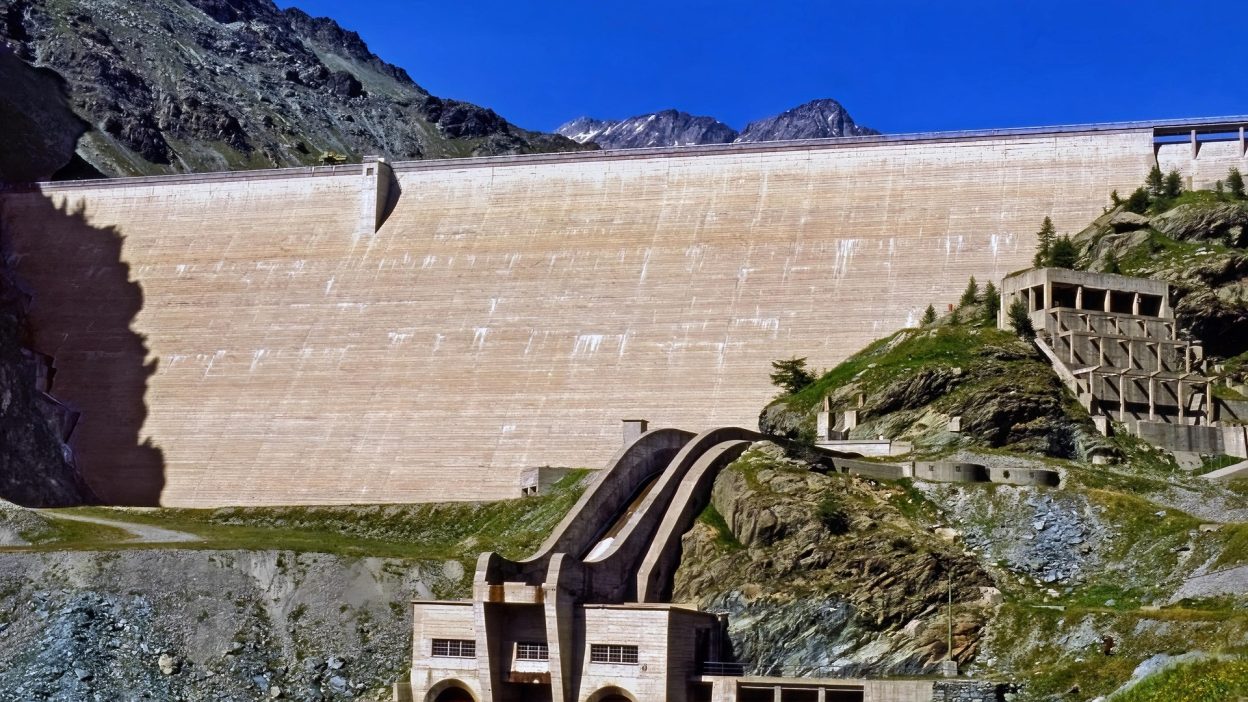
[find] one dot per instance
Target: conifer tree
(1020, 320)
(1064, 253)
(971, 295)
(1174, 183)
(992, 300)
(1155, 181)
(1044, 243)
(791, 374)
(1235, 183)
(929, 316)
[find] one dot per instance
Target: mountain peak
(818, 119)
(668, 127)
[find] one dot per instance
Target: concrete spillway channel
(621, 541)
(619, 546)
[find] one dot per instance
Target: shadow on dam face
(82, 305)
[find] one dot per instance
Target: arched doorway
(450, 691)
(611, 694)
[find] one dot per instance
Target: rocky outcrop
(823, 575)
(817, 119)
(1200, 248)
(40, 130)
(170, 86)
(36, 467)
(664, 128)
(1224, 221)
(1005, 394)
(222, 625)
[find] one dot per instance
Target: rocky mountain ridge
(169, 86)
(817, 119)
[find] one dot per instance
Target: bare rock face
(169, 86)
(665, 128)
(821, 575)
(36, 469)
(1223, 221)
(817, 119)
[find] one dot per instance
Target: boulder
(1124, 221)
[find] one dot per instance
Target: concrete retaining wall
(245, 340)
(879, 471)
(950, 472)
(1020, 476)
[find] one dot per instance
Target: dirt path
(143, 533)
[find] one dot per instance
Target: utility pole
(949, 584)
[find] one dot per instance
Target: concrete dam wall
(256, 338)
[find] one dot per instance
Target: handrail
(663, 151)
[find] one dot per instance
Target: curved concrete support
(654, 578)
(611, 576)
(581, 528)
(643, 521)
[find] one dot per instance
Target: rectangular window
(455, 648)
(532, 651)
(612, 653)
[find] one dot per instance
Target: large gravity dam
(256, 338)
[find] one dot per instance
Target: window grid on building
(532, 651)
(455, 648)
(612, 653)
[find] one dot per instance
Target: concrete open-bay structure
(427, 330)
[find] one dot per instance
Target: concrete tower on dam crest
(378, 333)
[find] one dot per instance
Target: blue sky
(897, 66)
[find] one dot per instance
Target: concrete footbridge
(589, 618)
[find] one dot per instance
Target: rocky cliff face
(814, 120)
(824, 574)
(36, 467)
(170, 86)
(666, 128)
(817, 119)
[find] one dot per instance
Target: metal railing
(722, 668)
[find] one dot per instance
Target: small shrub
(1138, 201)
(1020, 319)
(1235, 183)
(1111, 264)
(929, 316)
(832, 515)
(1173, 187)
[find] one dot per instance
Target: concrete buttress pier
(312, 336)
